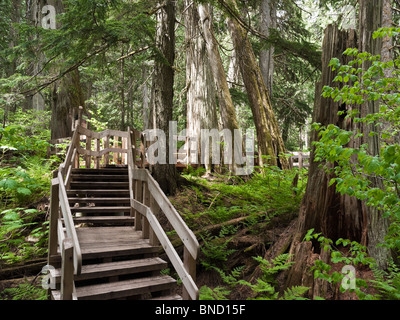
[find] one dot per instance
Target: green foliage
(218, 293)
(17, 226)
(373, 178)
(265, 286)
(24, 291)
(19, 185)
(215, 249)
(26, 132)
(387, 283)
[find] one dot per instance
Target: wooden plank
(101, 209)
(69, 224)
(120, 289)
(98, 192)
(169, 249)
(67, 270)
(104, 219)
(99, 200)
(54, 214)
(101, 135)
(118, 268)
(190, 266)
(185, 234)
(139, 198)
(101, 153)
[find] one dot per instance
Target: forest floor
(237, 222)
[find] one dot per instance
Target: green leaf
(24, 191)
(9, 184)
(11, 216)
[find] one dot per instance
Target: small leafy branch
(356, 256)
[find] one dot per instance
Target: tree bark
(163, 90)
(201, 104)
(371, 18)
(269, 138)
(323, 209)
(268, 21)
(226, 108)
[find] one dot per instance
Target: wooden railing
(147, 200)
(60, 218)
(298, 159)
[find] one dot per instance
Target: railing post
(154, 208)
(98, 157)
(67, 270)
(190, 265)
(89, 148)
(146, 202)
(142, 151)
(300, 159)
(54, 214)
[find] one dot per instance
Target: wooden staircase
(116, 262)
(104, 240)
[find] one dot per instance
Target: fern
(295, 293)
(387, 282)
(218, 293)
(215, 250)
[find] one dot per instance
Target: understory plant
(354, 256)
(264, 287)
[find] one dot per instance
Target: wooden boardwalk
(105, 238)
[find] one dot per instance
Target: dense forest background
(306, 75)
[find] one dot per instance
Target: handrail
(66, 214)
(169, 249)
(184, 233)
(188, 238)
(138, 179)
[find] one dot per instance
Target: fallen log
(28, 268)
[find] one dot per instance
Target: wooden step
(111, 269)
(99, 200)
(101, 177)
(100, 209)
(101, 171)
(105, 219)
(122, 289)
(168, 297)
(102, 242)
(99, 185)
(97, 192)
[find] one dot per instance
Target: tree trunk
(226, 108)
(323, 209)
(268, 20)
(269, 138)
(201, 106)
(334, 215)
(34, 9)
(122, 91)
(163, 90)
(66, 94)
(371, 14)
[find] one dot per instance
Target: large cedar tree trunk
(269, 138)
(323, 209)
(163, 90)
(66, 94)
(374, 15)
(201, 104)
(268, 21)
(226, 108)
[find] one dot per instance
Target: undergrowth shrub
(264, 287)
